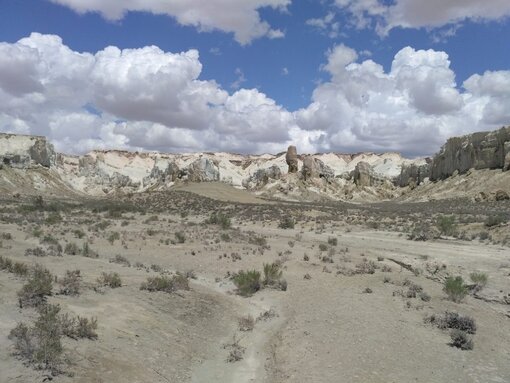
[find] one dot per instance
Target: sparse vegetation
(38, 286)
(71, 283)
(166, 284)
(446, 225)
(219, 219)
(287, 222)
(110, 279)
(461, 340)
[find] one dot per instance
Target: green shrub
(166, 284)
(110, 279)
(332, 241)
(323, 247)
(257, 240)
(446, 225)
(286, 222)
(455, 289)
(47, 334)
(121, 260)
(38, 286)
(180, 237)
(71, 249)
(247, 282)
(113, 237)
(53, 218)
(495, 220)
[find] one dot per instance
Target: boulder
(292, 159)
(363, 174)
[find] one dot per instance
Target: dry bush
(461, 340)
(166, 284)
(247, 282)
(38, 286)
(246, 323)
(110, 279)
(71, 283)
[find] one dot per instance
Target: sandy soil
(326, 328)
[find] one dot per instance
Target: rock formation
(315, 168)
(292, 159)
(414, 174)
(203, 170)
(262, 176)
(483, 150)
(23, 152)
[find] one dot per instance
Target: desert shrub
(78, 233)
(333, 241)
(71, 249)
(166, 284)
(366, 267)
(495, 220)
(225, 237)
(455, 289)
(246, 323)
(36, 252)
(236, 351)
(421, 232)
(24, 342)
(446, 224)
(86, 251)
(70, 284)
(219, 219)
(47, 334)
(461, 340)
(53, 218)
(479, 279)
(86, 328)
(113, 237)
(257, 240)
(6, 236)
(247, 282)
(424, 296)
(453, 320)
(38, 286)
(121, 260)
(180, 237)
(483, 235)
(156, 268)
(286, 222)
(323, 247)
(110, 279)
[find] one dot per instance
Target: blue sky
(274, 85)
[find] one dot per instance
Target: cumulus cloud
(149, 99)
(419, 13)
(241, 18)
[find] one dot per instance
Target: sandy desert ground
(353, 308)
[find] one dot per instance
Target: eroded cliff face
(483, 150)
(339, 176)
(23, 152)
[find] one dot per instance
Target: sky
(254, 76)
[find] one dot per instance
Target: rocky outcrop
(262, 177)
(483, 150)
(292, 159)
(413, 174)
(363, 175)
(202, 170)
(23, 152)
(315, 168)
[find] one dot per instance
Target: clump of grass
(455, 289)
(273, 276)
(323, 247)
(479, 279)
(495, 220)
(37, 288)
(110, 279)
(166, 284)
(247, 282)
(71, 283)
(78, 327)
(86, 251)
(257, 240)
(287, 222)
(19, 269)
(366, 267)
(333, 241)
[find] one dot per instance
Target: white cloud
(326, 25)
(420, 13)
(238, 17)
(148, 99)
